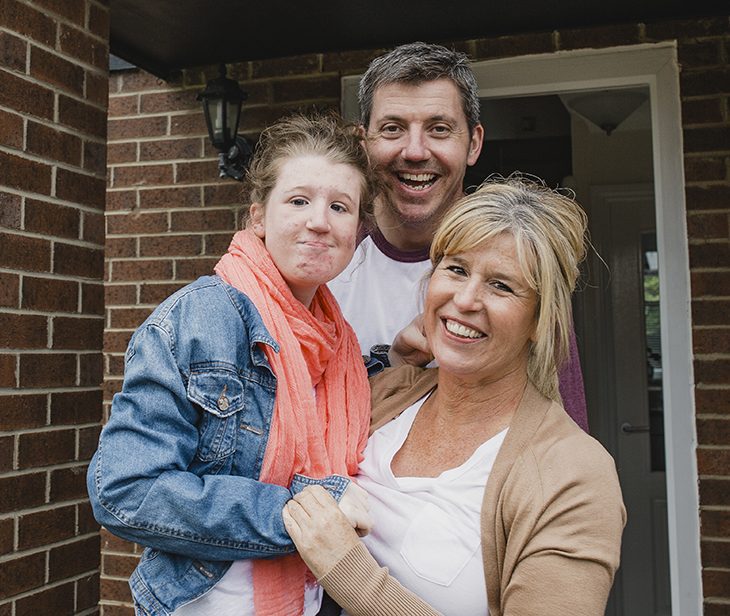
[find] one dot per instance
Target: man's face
(419, 139)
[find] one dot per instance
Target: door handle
(627, 428)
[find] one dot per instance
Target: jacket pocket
(220, 393)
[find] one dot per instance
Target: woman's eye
(456, 269)
(502, 287)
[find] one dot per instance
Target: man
(419, 111)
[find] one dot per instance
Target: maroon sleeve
(572, 392)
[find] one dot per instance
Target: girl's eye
(338, 207)
(298, 201)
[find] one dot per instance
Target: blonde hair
(322, 134)
(550, 233)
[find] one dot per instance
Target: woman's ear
(256, 220)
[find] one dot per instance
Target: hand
(410, 345)
(320, 531)
(356, 507)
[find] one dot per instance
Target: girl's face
(309, 221)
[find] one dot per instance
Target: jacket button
(223, 403)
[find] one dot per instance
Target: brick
(46, 448)
(715, 583)
(153, 294)
(80, 188)
(127, 318)
(163, 102)
(9, 290)
(68, 483)
(186, 196)
(693, 54)
(170, 149)
(707, 341)
(139, 80)
(50, 294)
(77, 333)
(8, 377)
(97, 88)
(85, 118)
(87, 592)
(78, 260)
(128, 610)
(711, 371)
(44, 527)
(196, 172)
(711, 400)
(71, 11)
(715, 492)
(141, 175)
(87, 523)
(7, 533)
(88, 442)
(514, 45)
(704, 169)
(22, 574)
(710, 608)
(710, 312)
(25, 96)
(708, 197)
(85, 48)
(710, 284)
(92, 225)
(217, 244)
(713, 461)
(706, 139)
(91, 369)
(99, 21)
(117, 200)
(191, 269)
(170, 245)
(23, 331)
(292, 65)
(125, 152)
(115, 295)
(112, 543)
(203, 220)
(192, 124)
(54, 600)
(716, 553)
(13, 52)
(10, 211)
(713, 431)
(133, 128)
(95, 158)
(709, 255)
(115, 590)
(57, 71)
(112, 385)
(114, 364)
(11, 129)
(702, 111)
(705, 82)
(25, 253)
(21, 492)
(123, 105)
(75, 407)
(306, 88)
(74, 558)
(26, 20)
(7, 447)
(223, 193)
(92, 298)
(707, 226)
(348, 62)
(602, 36)
(259, 117)
(141, 270)
(115, 565)
(120, 247)
(23, 174)
(47, 370)
(52, 219)
(116, 341)
(23, 412)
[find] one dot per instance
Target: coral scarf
(316, 435)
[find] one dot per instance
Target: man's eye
(391, 130)
(440, 129)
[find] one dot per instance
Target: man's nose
(416, 147)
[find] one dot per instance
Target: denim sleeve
(334, 484)
(139, 483)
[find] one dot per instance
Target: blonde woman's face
(309, 221)
(480, 312)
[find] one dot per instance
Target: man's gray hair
(415, 63)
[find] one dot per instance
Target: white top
(427, 529)
(381, 290)
(233, 595)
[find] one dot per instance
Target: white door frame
(655, 66)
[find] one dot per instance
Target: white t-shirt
(381, 290)
(427, 529)
(233, 595)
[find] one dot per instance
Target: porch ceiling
(163, 36)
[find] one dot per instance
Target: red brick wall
(169, 218)
(53, 102)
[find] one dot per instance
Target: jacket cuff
(334, 484)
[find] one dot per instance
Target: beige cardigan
(551, 521)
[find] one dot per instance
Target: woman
(479, 451)
(242, 388)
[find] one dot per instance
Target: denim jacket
(178, 462)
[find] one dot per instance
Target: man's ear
(256, 220)
(475, 144)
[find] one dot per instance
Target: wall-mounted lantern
(222, 100)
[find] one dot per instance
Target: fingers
(355, 505)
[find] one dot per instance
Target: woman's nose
(468, 297)
(318, 220)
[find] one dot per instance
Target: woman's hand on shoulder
(320, 530)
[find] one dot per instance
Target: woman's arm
(341, 563)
